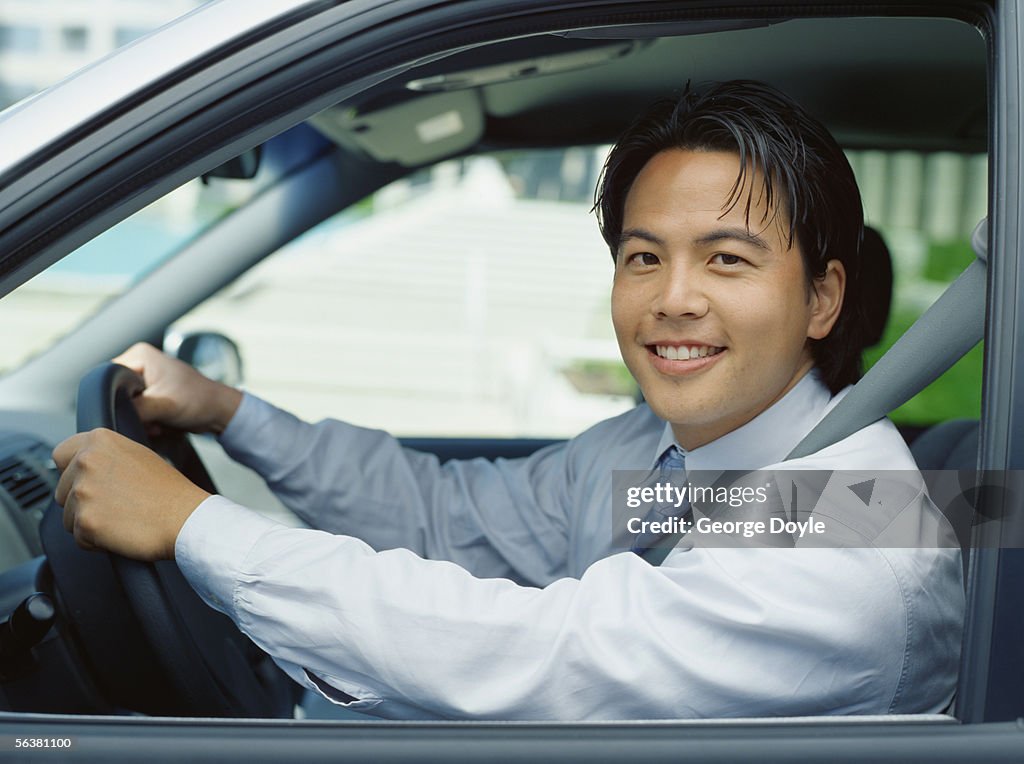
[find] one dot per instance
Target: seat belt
(943, 334)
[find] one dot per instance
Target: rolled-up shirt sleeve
(711, 632)
(506, 518)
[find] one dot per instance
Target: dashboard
(28, 477)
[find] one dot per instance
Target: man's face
(712, 317)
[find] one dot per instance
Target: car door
(286, 67)
(992, 669)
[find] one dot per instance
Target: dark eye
(642, 258)
(725, 259)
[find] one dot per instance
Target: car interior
(881, 84)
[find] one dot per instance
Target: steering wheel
(153, 644)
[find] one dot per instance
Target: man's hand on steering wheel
(176, 395)
(179, 656)
(121, 497)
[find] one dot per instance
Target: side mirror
(212, 354)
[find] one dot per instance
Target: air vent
(23, 481)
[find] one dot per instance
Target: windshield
(66, 294)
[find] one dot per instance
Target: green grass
(957, 393)
(945, 261)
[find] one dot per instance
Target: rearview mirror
(242, 167)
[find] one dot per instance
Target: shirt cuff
(212, 545)
(246, 417)
(262, 436)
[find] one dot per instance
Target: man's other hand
(176, 394)
(121, 497)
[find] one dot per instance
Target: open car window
(925, 205)
(469, 299)
(499, 259)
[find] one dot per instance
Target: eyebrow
(640, 233)
(737, 234)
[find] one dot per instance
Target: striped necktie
(672, 468)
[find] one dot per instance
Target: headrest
(876, 285)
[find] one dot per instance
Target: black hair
(805, 177)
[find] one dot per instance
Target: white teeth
(686, 353)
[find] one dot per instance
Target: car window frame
(1001, 447)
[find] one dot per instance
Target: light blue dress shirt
(488, 590)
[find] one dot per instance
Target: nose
(681, 293)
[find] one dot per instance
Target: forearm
(412, 638)
(315, 469)
(504, 518)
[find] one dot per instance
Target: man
(489, 590)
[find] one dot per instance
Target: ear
(826, 300)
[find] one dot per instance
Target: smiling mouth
(684, 352)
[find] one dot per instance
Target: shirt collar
(766, 439)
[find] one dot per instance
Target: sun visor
(413, 133)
